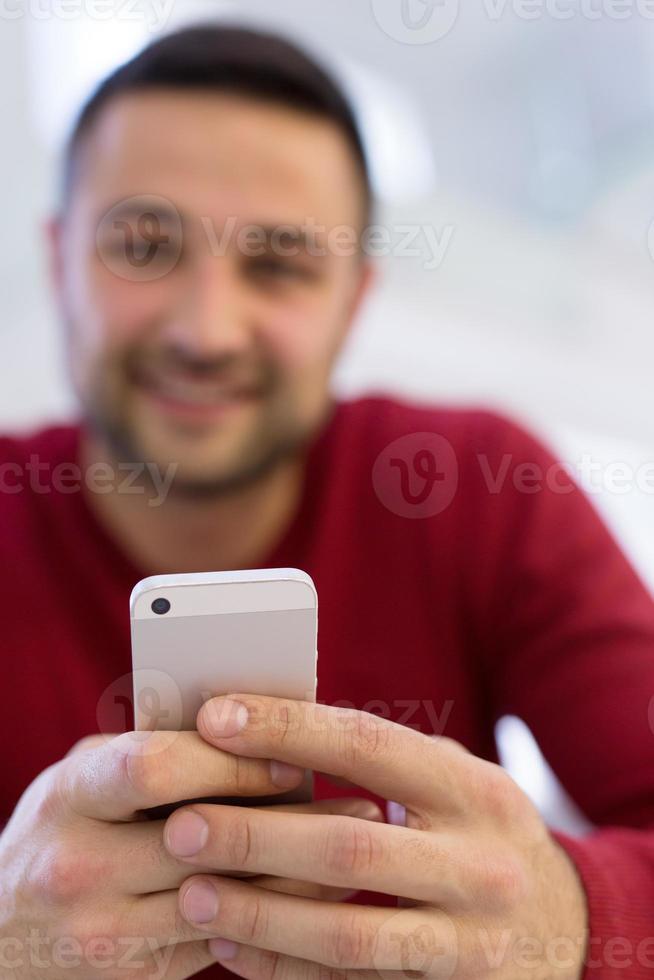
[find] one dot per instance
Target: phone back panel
(219, 637)
(186, 660)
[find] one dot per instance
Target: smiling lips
(193, 397)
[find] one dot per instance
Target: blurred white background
(522, 134)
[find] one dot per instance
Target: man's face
(202, 328)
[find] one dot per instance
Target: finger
(333, 934)
(340, 851)
(394, 761)
(307, 889)
(142, 863)
(254, 964)
(143, 956)
(352, 806)
(176, 961)
(343, 936)
(141, 770)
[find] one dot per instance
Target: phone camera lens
(160, 606)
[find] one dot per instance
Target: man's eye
(142, 261)
(276, 269)
(117, 246)
(132, 247)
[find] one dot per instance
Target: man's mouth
(193, 397)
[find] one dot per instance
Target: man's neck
(183, 534)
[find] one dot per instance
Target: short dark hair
(228, 58)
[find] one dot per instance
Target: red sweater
(447, 600)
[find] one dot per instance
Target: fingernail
(200, 904)
(223, 949)
(186, 833)
(224, 718)
(283, 774)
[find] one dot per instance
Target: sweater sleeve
(565, 630)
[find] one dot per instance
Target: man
(461, 577)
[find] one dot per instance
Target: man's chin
(201, 449)
(206, 460)
(200, 483)
(216, 467)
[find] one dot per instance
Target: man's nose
(210, 318)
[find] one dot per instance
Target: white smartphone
(195, 636)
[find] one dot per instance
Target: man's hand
(87, 888)
(484, 889)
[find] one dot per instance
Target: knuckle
(505, 883)
(253, 921)
(237, 775)
(149, 773)
(350, 847)
(95, 938)
(367, 737)
(272, 965)
(56, 877)
(237, 842)
(283, 722)
(101, 944)
(501, 795)
(350, 942)
(66, 874)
